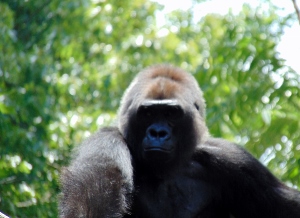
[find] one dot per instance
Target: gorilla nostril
(158, 133)
(162, 134)
(153, 133)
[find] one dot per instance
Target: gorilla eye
(196, 106)
(168, 114)
(145, 112)
(173, 113)
(148, 113)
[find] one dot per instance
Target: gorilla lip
(154, 154)
(158, 149)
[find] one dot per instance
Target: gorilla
(161, 162)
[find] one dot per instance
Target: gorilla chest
(178, 196)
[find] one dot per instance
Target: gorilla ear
(196, 106)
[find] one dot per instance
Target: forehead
(170, 73)
(165, 82)
(162, 88)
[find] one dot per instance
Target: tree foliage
(65, 64)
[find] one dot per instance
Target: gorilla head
(162, 117)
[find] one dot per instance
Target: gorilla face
(158, 134)
(161, 117)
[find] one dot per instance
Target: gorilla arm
(248, 188)
(98, 181)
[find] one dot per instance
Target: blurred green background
(65, 64)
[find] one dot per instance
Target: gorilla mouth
(157, 149)
(154, 154)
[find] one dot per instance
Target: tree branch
(297, 10)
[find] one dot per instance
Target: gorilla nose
(158, 132)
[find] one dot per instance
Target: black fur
(161, 162)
